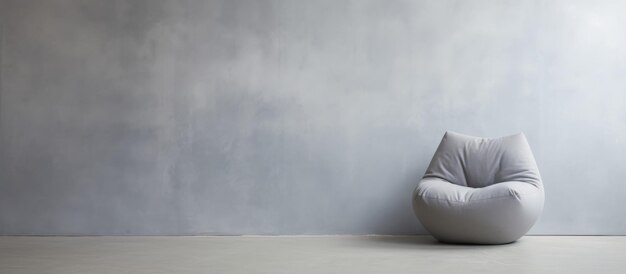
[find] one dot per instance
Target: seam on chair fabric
(491, 198)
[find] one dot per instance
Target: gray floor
(308, 254)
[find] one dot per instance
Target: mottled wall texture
(192, 117)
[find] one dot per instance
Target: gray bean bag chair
(479, 190)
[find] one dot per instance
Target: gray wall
(298, 117)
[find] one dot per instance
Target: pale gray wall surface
(298, 117)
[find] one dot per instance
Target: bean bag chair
(480, 190)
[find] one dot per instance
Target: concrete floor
(308, 254)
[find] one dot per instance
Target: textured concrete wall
(290, 117)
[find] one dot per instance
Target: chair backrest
(479, 162)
